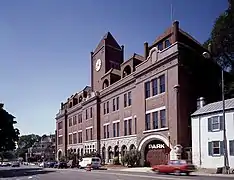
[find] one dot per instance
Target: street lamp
(226, 161)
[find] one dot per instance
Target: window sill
(120, 137)
(156, 130)
(151, 97)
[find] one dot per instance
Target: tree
(8, 134)
(25, 142)
(222, 45)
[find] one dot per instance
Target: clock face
(98, 64)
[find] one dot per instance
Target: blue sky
(45, 46)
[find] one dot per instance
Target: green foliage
(8, 134)
(7, 155)
(131, 158)
(25, 142)
(222, 45)
(116, 160)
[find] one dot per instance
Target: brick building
(143, 102)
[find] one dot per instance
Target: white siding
(205, 136)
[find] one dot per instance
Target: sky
(45, 46)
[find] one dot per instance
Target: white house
(207, 134)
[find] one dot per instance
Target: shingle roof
(214, 107)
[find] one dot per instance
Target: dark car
(15, 164)
(60, 165)
(50, 164)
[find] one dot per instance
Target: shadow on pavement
(8, 173)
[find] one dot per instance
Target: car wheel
(187, 173)
(156, 171)
(177, 172)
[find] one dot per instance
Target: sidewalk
(200, 172)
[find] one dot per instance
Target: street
(24, 173)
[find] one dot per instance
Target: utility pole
(226, 161)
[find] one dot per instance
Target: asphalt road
(25, 173)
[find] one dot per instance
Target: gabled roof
(107, 39)
(215, 107)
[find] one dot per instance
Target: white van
(94, 161)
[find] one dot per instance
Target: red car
(175, 166)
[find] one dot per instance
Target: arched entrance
(110, 153)
(156, 152)
(59, 155)
(103, 154)
(123, 150)
(132, 147)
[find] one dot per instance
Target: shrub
(116, 160)
(131, 158)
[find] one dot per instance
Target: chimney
(61, 106)
(146, 49)
(122, 48)
(200, 102)
(176, 31)
(1, 105)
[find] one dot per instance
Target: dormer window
(80, 99)
(167, 43)
(160, 46)
(70, 104)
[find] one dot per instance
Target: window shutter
(209, 125)
(221, 122)
(221, 147)
(210, 151)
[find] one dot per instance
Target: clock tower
(108, 54)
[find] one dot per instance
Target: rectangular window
(135, 121)
(60, 140)
(113, 104)
(163, 118)
(91, 112)
(162, 83)
(231, 147)
(114, 133)
(104, 127)
(107, 131)
(167, 43)
(155, 120)
(91, 133)
(60, 125)
(87, 135)
(104, 108)
(125, 127)
(215, 123)
(130, 127)
(147, 122)
(70, 122)
(74, 120)
(160, 46)
(86, 114)
(130, 98)
(75, 138)
(117, 103)
(155, 86)
(117, 134)
(125, 100)
(70, 138)
(147, 89)
(215, 148)
(80, 118)
(107, 107)
(79, 137)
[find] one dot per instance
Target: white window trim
(116, 121)
(216, 147)
(60, 135)
(69, 133)
(106, 124)
(75, 132)
(127, 118)
(79, 131)
(156, 109)
(90, 127)
(218, 129)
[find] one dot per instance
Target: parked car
(50, 164)
(15, 164)
(175, 166)
(6, 164)
(95, 162)
(60, 165)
